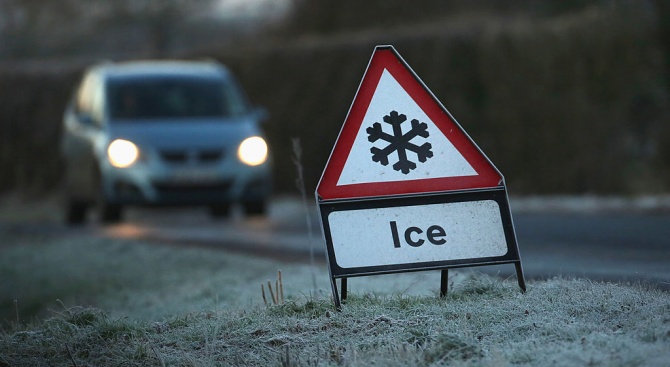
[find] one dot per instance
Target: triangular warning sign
(390, 99)
(398, 139)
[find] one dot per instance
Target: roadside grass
(146, 281)
(83, 301)
(483, 322)
(18, 208)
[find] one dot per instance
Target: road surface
(612, 245)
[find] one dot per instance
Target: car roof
(149, 68)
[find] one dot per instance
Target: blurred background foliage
(564, 97)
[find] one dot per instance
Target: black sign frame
(498, 194)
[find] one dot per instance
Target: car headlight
(253, 151)
(122, 153)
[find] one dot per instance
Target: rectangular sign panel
(376, 236)
(417, 234)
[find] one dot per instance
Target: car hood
(179, 134)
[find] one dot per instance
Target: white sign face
(444, 159)
(416, 234)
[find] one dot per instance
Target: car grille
(165, 188)
(191, 156)
(210, 155)
(174, 156)
(181, 187)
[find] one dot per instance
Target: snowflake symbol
(399, 142)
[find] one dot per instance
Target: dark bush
(576, 103)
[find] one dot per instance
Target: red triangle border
(387, 58)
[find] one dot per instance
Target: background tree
(34, 28)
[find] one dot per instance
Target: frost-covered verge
(71, 299)
(482, 322)
(82, 301)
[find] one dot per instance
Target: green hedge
(574, 104)
(31, 106)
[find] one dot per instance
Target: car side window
(83, 100)
(97, 105)
(89, 99)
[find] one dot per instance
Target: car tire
(219, 211)
(256, 208)
(75, 213)
(110, 213)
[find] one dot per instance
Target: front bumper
(186, 185)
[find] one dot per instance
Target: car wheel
(258, 207)
(110, 213)
(75, 212)
(219, 211)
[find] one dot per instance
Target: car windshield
(173, 98)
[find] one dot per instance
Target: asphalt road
(604, 246)
(612, 245)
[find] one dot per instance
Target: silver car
(162, 133)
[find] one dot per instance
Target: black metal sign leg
(519, 276)
(343, 283)
(444, 282)
(336, 296)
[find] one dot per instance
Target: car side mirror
(261, 114)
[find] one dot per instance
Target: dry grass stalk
(277, 295)
(263, 293)
(281, 287)
(272, 294)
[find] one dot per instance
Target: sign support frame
(498, 194)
